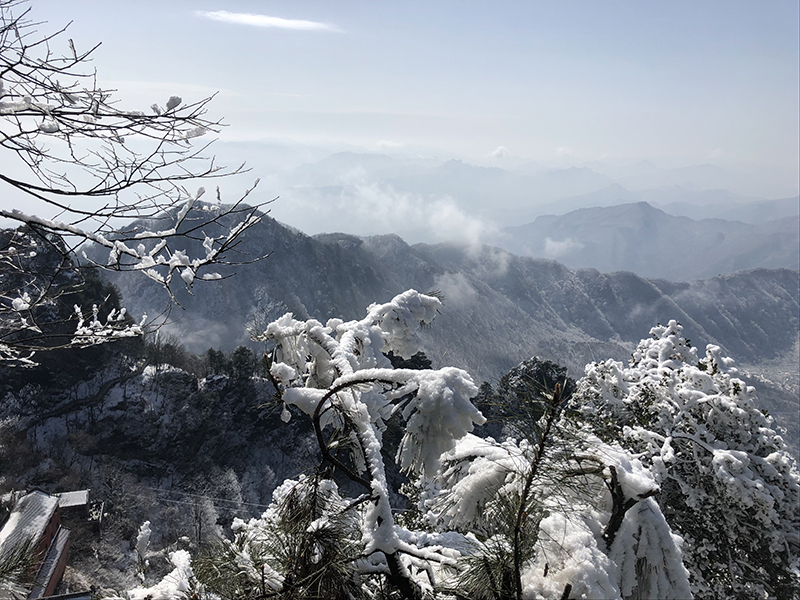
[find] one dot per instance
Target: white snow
(176, 585)
(143, 539)
(21, 303)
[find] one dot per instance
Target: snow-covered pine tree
(728, 483)
(552, 511)
(305, 545)
(338, 374)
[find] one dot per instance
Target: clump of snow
(173, 102)
(439, 414)
(187, 275)
(48, 126)
(143, 539)
(570, 547)
(175, 585)
(648, 556)
(283, 373)
(21, 303)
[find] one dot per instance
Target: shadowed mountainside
(499, 308)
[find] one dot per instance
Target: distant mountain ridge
(641, 238)
(522, 305)
(364, 192)
(754, 211)
(499, 308)
(680, 202)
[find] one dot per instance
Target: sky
(695, 81)
(503, 84)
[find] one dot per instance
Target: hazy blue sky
(698, 81)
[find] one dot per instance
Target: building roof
(27, 521)
(50, 564)
(70, 499)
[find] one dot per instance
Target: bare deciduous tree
(99, 170)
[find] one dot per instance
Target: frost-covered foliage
(727, 482)
(555, 512)
(179, 584)
(338, 375)
(562, 514)
(305, 545)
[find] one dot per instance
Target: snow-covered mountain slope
(499, 308)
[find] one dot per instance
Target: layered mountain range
(525, 303)
(499, 308)
(641, 238)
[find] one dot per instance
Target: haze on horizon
(522, 86)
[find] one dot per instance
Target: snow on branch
(101, 172)
(72, 137)
(338, 374)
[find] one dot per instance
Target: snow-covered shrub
(179, 584)
(305, 545)
(727, 482)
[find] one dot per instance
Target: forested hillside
(499, 308)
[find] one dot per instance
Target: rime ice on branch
(337, 374)
(98, 169)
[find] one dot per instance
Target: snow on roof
(50, 564)
(28, 520)
(70, 499)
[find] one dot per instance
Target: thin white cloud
(266, 21)
(500, 152)
(555, 250)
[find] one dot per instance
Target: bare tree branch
(103, 171)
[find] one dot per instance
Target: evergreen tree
(554, 511)
(727, 482)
